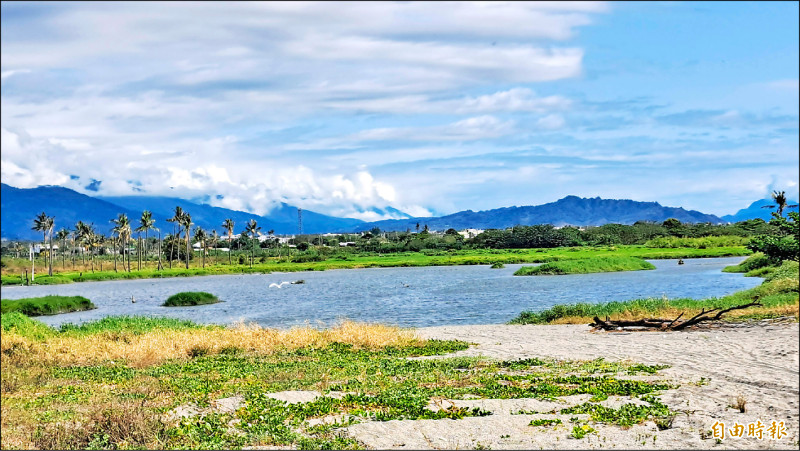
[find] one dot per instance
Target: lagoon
(407, 297)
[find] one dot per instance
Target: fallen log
(666, 324)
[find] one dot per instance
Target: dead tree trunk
(666, 324)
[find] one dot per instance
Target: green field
(374, 260)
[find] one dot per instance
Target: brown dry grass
(159, 345)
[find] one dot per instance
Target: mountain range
(18, 208)
(758, 209)
(571, 210)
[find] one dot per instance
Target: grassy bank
(47, 305)
(111, 384)
(586, 266)
(778, 293)
(373, 260)
(188, 298)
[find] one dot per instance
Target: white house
(470, 233)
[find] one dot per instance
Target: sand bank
(713, 366)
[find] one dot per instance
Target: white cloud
(474, 128)
(790, 84)
(551, 122)
(512, 100)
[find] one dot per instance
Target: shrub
(188, 298)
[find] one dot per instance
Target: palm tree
(200, 235)
(252, 228)
(40, 225)
(43, 223)
(228, 226)
(146, 222)
(186, 221)
(122, 227)
(93, 240)
(175, 219)
(159, 250)
(62, 236)
(212, 241)
(82, 231)
(780, 202)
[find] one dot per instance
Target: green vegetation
(778, 293)
(544, 422)
(188, 298)
(118, 403)
(347, 259)
(131, 325)
(783, 242)
(698, 243)
(22, 325)
(587, 265)
(627, 415)
(497, 265)
(46, 305)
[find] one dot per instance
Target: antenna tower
(299, 221)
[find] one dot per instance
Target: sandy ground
(758, 361)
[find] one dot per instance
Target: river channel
(407, 297)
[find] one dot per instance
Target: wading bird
(279, 285)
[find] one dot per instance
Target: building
(470, 233)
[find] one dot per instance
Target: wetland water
(407, 297)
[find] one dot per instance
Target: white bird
(279, 285)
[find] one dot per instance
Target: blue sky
(428, 107)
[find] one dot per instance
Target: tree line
(777, 239)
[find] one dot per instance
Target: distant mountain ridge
(757, 210)
(571, 210)
(20, 206)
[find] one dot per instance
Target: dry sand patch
(758, 361)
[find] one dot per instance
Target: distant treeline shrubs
(670, 233)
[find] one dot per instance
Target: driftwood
(666, 324)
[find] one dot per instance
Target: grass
(92, 387)
(778, 293)
(188, 298)
(11, 275)
(586, 266)
(46, 305)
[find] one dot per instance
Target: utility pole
(299, 221)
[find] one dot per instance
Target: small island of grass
(46, 305)
(188, 298)
(586, 266)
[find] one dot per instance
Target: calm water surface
(408, 297)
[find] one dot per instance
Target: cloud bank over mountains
(428, 107)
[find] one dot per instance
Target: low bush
(188, 298)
